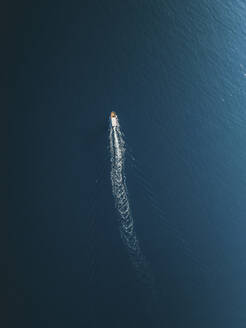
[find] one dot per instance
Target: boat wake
(119, 188)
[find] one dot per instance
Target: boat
(114, 119)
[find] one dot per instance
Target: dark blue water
(175, 73)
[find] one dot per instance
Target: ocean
(175, 74)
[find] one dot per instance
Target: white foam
(119, 188)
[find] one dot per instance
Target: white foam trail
(119, 188)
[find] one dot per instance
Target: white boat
(114, 119)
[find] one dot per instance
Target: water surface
(175, 73)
